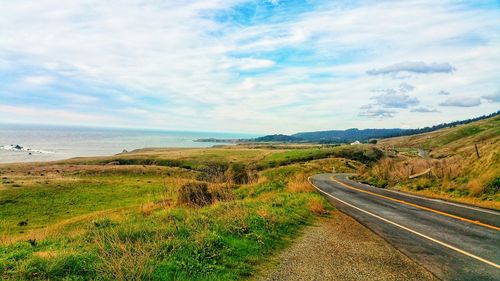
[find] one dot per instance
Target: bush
(493, 187)
(214, 172)
(221, 192)
(238, 173)
(378, 182)
(194, 194)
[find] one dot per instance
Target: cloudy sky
(262, 66)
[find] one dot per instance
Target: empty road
(453, 241)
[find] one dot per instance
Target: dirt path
(339, 248)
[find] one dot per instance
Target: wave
(17, 147)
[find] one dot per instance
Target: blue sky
(264, 66)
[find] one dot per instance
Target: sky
(262, 66)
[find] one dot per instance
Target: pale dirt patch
(339, 248)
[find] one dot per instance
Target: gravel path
(339, 248)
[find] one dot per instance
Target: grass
(85, 220)
(456, 171)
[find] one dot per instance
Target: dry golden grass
(475, 201)
(299, 183)
(456, 170)
(148, 208)
(221, 191)
(46, 254)
(264, 213)
(316, 206)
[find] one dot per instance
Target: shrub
(221, 192)
(378, 182)
(214, 172)
(238, 174)
(194, 194)
(493, 187)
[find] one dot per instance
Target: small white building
(355, 143)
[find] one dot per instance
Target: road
(453, 241)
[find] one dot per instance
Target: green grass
(89, 222)
(364, 154)
(42, 205)
(454, 135)
(457, 171)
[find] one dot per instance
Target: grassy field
(161, 214)
(456, 171)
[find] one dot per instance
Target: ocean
(32, 143)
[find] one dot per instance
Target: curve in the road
(417, 206)
(444, 238)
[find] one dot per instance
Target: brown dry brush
(317, 206)
(194, 194)
(451, 172)
(299, 183)
(222, 172)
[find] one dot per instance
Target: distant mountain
(278, 138)
(351, 135)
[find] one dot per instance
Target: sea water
(27, 143)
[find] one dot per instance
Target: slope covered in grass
(456, 170)
(198, 214)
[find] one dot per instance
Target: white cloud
(125, 98)
(79, 99)
(248, 84)
(378, 113)
(173, 54)
(492, 97)
(461, 102)
(252, 64)
(38, 80)
(395, 100)
(405, 87)
(424, 110)
(48, 115)
(413, 67)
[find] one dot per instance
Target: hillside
(456, 170)
(162, 214)
(363, 135)
(349, 135)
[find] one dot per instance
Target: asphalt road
(453, 241)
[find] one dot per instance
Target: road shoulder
(340, 248)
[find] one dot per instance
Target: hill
(155, 214)
(364, 135)
(349, 135)
(457, 170)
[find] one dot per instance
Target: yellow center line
(417, 206)
(409, 229)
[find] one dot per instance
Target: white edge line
(408, 229)
(437, 200)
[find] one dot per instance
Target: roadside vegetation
(165, 214)
(456, 170)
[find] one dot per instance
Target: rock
(113, 163)
(124, 151)
(18, 147)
